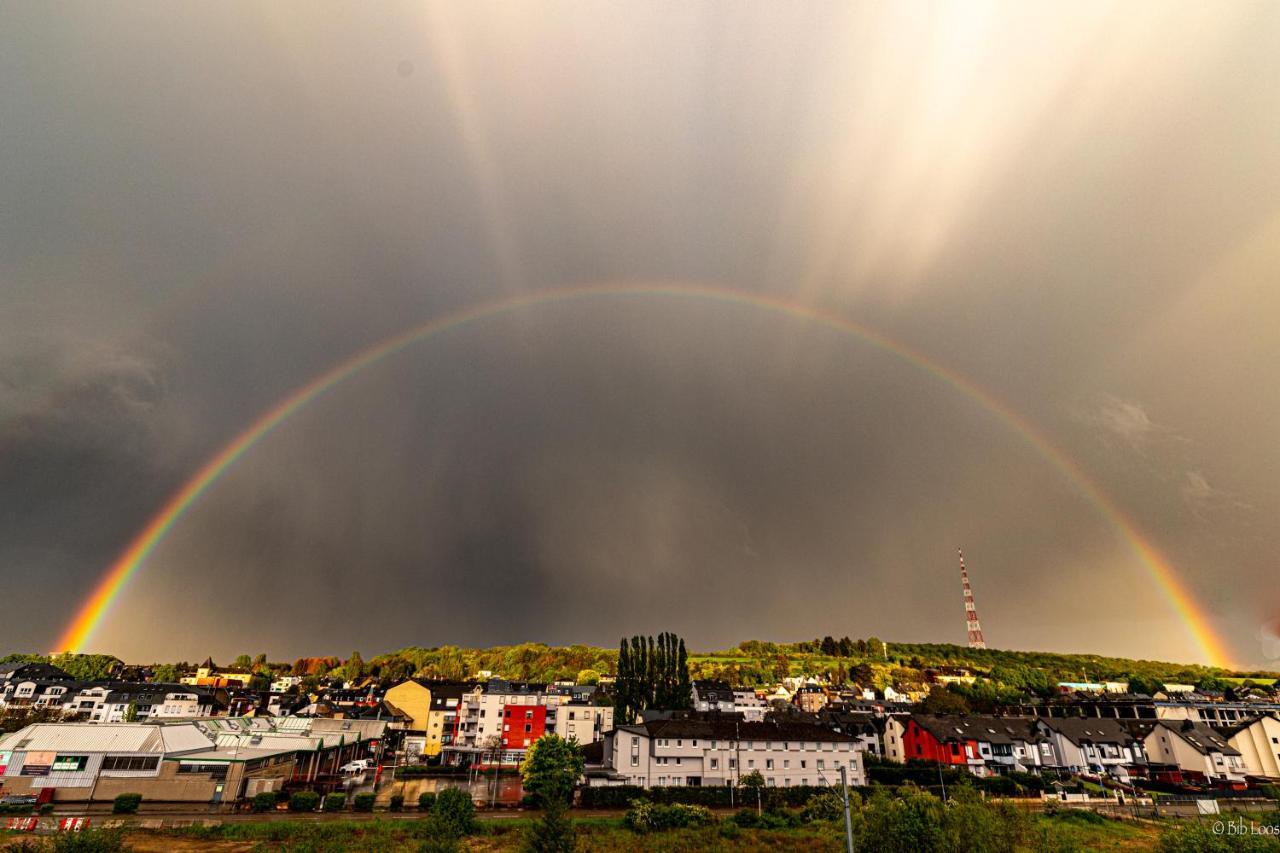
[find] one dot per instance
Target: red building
(930, 739)
(522, 725)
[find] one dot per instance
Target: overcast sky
(1075, 206)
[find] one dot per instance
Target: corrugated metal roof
(85, 737)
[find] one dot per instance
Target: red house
(522, 725)
(929, 738)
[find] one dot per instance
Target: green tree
(753, 785)
(166, 673)
(1146, 685)
(587, 676)
(354, 667)
(131, 713)
(549, 772)
(552, 768)
(943, 701)
(242, 663)
(453, 814)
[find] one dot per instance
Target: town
(223, 737)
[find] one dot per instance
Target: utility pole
(848, 819)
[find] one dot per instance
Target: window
(822, 765)
(786, 764)
(69, 763)
(218, 771)
(130, 762)
(768, 764)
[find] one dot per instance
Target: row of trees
(651, 674)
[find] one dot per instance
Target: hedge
(335, 802)
(126, 804)
(397, 802)
(426, 800)
(714, 796)
(304, 801)
(363, 802)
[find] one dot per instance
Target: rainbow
(91, 614)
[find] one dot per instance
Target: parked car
(360, 765)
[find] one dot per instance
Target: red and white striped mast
(970, 611)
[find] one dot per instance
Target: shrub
(335, 801)
(45, 808)
(653, 817)
(126, 804)
(426, 800)
(264, 802)
(86, 841)
(1206, 838)
(364, 802)
(827, 806)
(397, 802)
(454, 813)
(304, 801)
(553, 832)
(747, 819)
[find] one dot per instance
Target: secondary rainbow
(91, 614)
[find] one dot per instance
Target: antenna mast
(970, 612)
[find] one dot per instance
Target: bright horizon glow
(89, 617)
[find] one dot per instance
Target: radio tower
(970, 612)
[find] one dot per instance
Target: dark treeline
(651, 674)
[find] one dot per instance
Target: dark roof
(729, 730)
(712, 684)
(1095, 730)
(27, 670)
(1229, 732)
(593, 753)
(1201, 737)
(978, 727)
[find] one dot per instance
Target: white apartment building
(1258, 742)
(703, 753)
(751, 705)
(581, 721)
(1195, 748)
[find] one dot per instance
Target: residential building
(702, 752)
(1258, 742)
(925, 737)
(810, 698)
(580, 720)
(750, 704)
(1092, 745)
(1198, 751)
(709, 695)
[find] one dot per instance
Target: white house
(1258, 742)
(712, 752)
(1195, 749)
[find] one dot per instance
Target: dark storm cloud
(202, 208)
